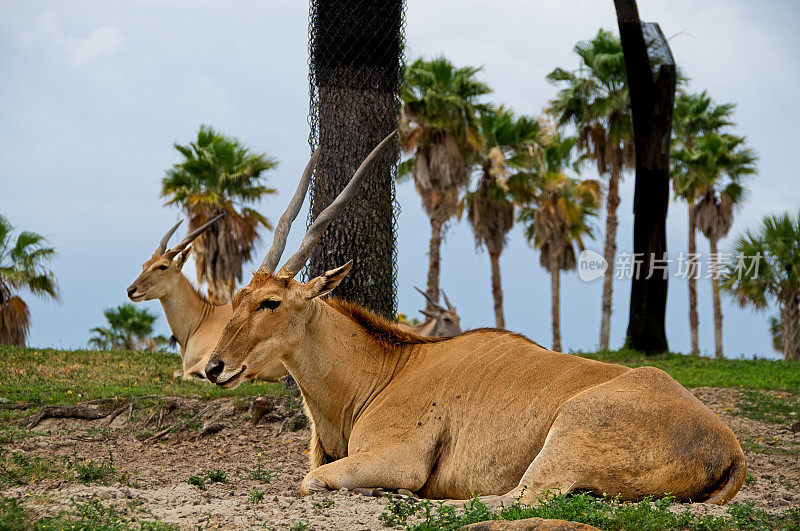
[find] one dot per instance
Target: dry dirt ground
(152, 474)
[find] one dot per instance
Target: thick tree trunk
(694, 319)
(355, 108)
(712, 243)
(555, 310)
(497, 291)
(651, 75)
(609, 252)
(434, 260)
(790, 319)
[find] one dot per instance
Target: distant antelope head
(448, 322)
(271, 313)
(161, 272)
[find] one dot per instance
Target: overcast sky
(94, 94)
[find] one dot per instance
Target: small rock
(212, 426)
(796, 427)
(405, 492)
(105, 495)
(261, 406)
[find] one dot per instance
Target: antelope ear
(324, 284)
(182, 256)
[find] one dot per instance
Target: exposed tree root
(79, 411)
(89, 410)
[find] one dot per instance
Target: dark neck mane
(378, 328)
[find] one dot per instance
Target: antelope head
(271, 313)
(162, 271)
(448, 322)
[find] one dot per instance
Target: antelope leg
(394, 467)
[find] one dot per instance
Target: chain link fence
(355, 71)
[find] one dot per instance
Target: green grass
(11, 434)
(260, 473)
(602, 513)
(87, 516)
(692, 371)
(92, 471)
(17, 468)
(773, 408)
(48, 376)
(212, 476)
(216, 476)
(197, 481)
(256, 496)
(768, 446)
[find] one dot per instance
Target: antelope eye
(269, 304)
(162, 267)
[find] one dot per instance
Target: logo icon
(591, 265)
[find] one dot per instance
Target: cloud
(104, 40)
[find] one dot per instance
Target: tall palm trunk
(497, 291)
(712, 242)
(555, 310)
(694, 319)
(790, 319)
(434, 260)
(609, 251)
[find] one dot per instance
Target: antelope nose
(213, 370)
(131, 291)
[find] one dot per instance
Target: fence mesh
(355, 69)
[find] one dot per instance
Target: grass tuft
(603, 513)
(86, 516)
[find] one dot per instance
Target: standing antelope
(487, 412)
(441, 322)
(195, 322)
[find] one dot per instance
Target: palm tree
(439, 126)
(695, 115)
(508, 142)
(776, 333)
(557, 212)
(219, 174)
(22, 268)
(765, 267)
(595, 100)
(129, 328)
(716, 166)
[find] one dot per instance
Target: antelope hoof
(312, 484)
(495, 502)
(492, 501)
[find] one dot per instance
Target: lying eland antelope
(487, 412)
(195, 322)
(442, 322)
